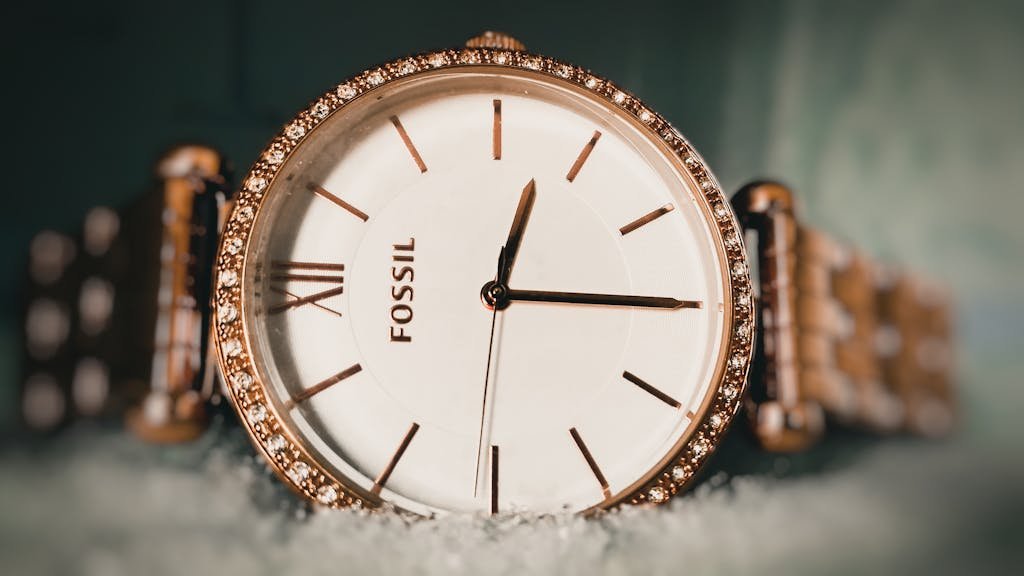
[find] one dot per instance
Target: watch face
(462, 284)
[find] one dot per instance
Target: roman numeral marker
(646, 219)
(652, 390)
(584, 154)
(383, 478)
(292, 297)
(321, 192)
(590, 462)
(408, 143)
(496, 145)
(283, 271)
(321, 386)
(312, 272)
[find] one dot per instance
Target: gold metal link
(869, 345)
(904, 384)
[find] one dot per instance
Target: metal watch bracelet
(116, 318)
(842, 339)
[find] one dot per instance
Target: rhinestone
(691, 161)
(736, 362)
(646, 116)
(241, 381)
(468, 57)
(408, 67)
(743, 330)
(295, 131)
(739, 268)
(245, 213)
(743, 300)
(679, 474)
(565, 71)
(591, 82)
(707, 184)
(274, 157)
(327, 495)
(321, 110)
(716, 421)
(256, 184)
(375, 79)
(657, 495)
(501, 58)
(730, 391)
(227, 313)
(346, 91)
(437, 60)
(721, 211)
(619, 97)
(298, 472)
(532, 63)
(228, 278)
(257, 413)
(234, 245)
(732, 240)
(232, 347)
(699, 448)
(276, 443)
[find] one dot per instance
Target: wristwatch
(483, 280)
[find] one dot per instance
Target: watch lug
(498, 40)
(194, 191)
(782, 418)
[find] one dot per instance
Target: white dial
(364, 280)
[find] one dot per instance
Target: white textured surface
(107, 505)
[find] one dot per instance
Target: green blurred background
(899, 122)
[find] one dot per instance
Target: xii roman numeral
(284, 271)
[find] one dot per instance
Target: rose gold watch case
(294, 462)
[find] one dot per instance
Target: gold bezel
(292, 461)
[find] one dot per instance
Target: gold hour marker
(584, 154)
(282, 270)
(590, 462)
(383, 478)
(494, 479)
(323, 193)
(310, 272)
(302, 301)
(652, 390)
(646, 219)
(321, 386)
(293, 296)
(408, 143)
(497, 130)
(690, 414)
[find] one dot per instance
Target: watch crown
(492, 39)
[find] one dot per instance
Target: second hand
(487, 380)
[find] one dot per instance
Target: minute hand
(601, 299)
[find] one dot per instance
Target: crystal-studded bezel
(259, 416)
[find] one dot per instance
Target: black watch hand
(513, 295)
(515, 233)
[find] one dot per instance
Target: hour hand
(515, 233)
(601, 299)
